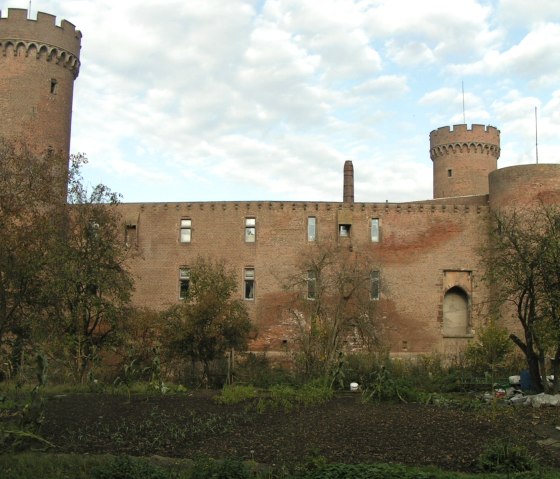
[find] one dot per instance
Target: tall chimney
(348, 191)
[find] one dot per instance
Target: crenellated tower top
(39, 61)
(41, 37)
(463, 158)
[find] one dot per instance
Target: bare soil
(342, 430)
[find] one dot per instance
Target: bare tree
(333, 304)
(523, 257)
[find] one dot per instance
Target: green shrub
(235, 394)
(504, 457)
(125, 467)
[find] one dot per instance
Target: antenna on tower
(536, 138)
(463, 89)
(29, 11)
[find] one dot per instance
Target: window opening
(375, 283)
(344, 231)
(54, 86)
(186, 230)
(375, 230)
(130, 236)
(311, 228)
(311, 285)
(449, 173)
(250, 230)
(184, 282)
(249, 283)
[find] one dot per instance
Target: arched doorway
(455, 312)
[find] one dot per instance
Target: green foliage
(126, 467)
(229, 468)
(505, 457)
(490, 350)
(289, 398)
(234, 394)
(209, 321)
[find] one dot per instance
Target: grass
(66, 466)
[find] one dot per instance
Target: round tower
(39, 62)
(525, 186)
(463, 158)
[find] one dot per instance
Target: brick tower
(463, 159)
(39, 62)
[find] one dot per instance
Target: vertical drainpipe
(348, 191)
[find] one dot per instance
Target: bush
(235, 394)
(504, 457)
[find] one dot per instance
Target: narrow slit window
(184, 282)
(311, 228)
(249, 278)
(375, 230)
(311, 285)
(449, 173)
(186, 230)
(54, 86)
(250, 230)
(374, 285)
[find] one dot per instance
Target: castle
(428, 272)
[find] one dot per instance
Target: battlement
(462, 134)
(43, 31)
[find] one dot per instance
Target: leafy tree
(28, 213)
(90, 287)
(333, 305)
(524, 271)
(209, 321)
(490, 349)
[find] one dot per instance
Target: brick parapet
(43, 37)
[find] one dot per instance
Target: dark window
(184, 282)
(311, 285)
(375, 285)
(54, 86)
(249, 278)
(344, 230)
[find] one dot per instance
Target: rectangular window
(311, 285)
(130, 236)
(344, 231)
(250, 230)
(449, 173)
(184, 282)
(54, 86)
(375, 230)
(375, 285)
(186, 230)
(249, 278)
(311, 228)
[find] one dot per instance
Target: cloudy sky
(200, 100)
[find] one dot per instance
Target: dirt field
(343, 430)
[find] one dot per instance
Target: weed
(235, 394)
(504, 457)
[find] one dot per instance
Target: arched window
(456, 313)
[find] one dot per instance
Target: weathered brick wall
(525, 186)
(418, 243)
